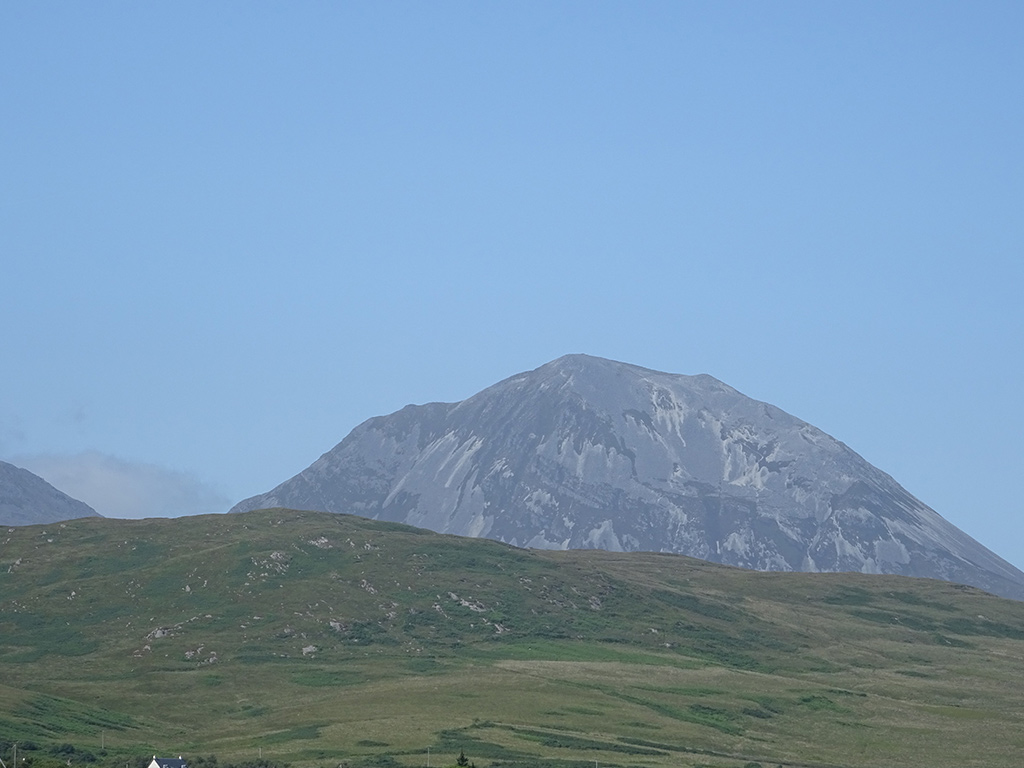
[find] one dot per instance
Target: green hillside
(323, 640)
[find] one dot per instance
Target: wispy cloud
(116, 487)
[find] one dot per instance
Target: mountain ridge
(584, 452)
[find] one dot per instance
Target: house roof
(168, 762)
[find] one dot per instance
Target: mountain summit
(590, 453)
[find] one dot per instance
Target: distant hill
(590, 453)
(322, 639)
(27, 499)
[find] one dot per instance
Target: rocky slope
(27, 499)
(590, 453)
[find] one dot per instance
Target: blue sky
(231, 232)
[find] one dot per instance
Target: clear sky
(230, 232)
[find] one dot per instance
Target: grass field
(323, 640)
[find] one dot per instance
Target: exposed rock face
(589, 453)
(27, 499)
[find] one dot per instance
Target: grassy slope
(327, 638)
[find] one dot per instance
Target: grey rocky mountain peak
(27, 499)
(590, 453)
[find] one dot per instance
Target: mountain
(590, 453)
(27, 499)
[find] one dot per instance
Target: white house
(168, 762)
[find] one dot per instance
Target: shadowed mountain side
(27, 499)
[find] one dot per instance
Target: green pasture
(329, 640)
